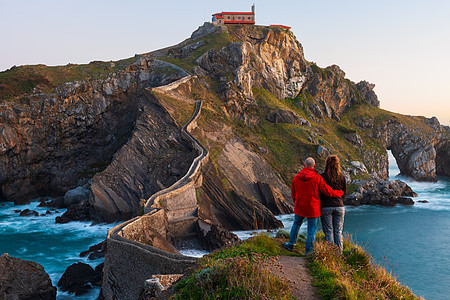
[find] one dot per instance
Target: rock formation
(78, 278)
(107, 144)
(381, 192)
(22, 279)
(60, 140)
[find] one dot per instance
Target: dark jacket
(341, 184)
(305, 189)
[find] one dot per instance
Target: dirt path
(294, 270)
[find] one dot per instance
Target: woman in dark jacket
(332, 208)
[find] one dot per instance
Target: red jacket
(305, 192)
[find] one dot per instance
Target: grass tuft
(240, 272)
(352, 275)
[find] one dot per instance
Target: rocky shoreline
(103, 148)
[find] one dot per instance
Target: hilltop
(198, 139)
(265, 109)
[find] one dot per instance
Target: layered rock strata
(60, 140)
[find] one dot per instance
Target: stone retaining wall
(139, 248)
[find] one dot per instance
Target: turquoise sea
(413, 242)
(54, 246)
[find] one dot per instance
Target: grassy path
(294, 269)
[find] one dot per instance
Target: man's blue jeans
(311, 235)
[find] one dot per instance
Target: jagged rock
(206, 29)
(57, 202)
(443, 157)
(286, 116)
(22, 279)
(327, 109)
(77, 278)
(360, 166)
(367, 93)
(58, 141)
(76, 195)
(354, 138)
(229, 209)
(95, 251)
(273, 199)
(213, 236)
(27, 212)
(381, 192)
(267, 58)
(186, 50)
(322, 151)
(414, 151)
(315, 109)
(97, 281)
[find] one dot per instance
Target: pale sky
(403, 47)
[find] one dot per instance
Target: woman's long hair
(333, 169)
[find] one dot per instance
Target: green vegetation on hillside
(21, 80)
(214, 41)
(352, 275)
(240, 272)
(245, 271)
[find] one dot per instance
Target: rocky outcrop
(443, 154)
(219, 205)
(95, 251)
(413, 149)
(286, 116)
(78, 278)
(60, 140)
(206, 29)
(213, 236)
(272, 198)
(266, 58)
(22, 279)
(381, 192)
(336, 92)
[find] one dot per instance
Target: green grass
(239, 272)
(22, 80)
(352, 275)
(214, 41)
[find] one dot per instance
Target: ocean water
(54, 246)
(413, 242)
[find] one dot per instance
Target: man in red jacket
(305, 189)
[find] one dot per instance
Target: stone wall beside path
(141, 247)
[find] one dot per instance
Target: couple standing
(317, 196)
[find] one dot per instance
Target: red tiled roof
(237, 13)
(282, 26)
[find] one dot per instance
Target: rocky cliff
(265, 109)
(105, 126)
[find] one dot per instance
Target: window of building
(239, 18)
(228, 17)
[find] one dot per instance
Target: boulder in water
(95, 251)
(27, 212)
(77, 278)
(381, 192)
(212, 236)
